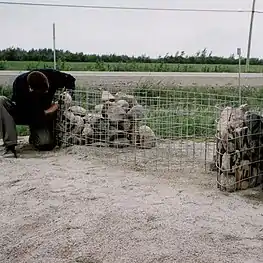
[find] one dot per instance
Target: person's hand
(52, 109)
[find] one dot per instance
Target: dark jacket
(29, 107)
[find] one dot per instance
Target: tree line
(201, 57)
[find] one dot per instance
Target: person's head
(37, 82)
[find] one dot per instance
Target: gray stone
(227, 182)
(78, 125)
(129, 98)
(116, 113)
(124, 125)
(77, 110)
(107, 96)
(147, 137)
(69, 116)
(65, 100)
(124, 104)
(115, 134)
(136, 113)
(88, 134)
(106, 106)
(87, 131)
(92, 118)
(98, 108)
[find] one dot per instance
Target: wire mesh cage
(153, 129)
(239, 147)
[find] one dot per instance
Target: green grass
(189, 112)
(140, 67)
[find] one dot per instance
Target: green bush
(3, 65)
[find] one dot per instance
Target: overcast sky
(133, 32)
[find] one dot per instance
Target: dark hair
(37, 81)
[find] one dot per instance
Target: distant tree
(46, 55)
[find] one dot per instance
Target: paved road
(147, 74)
(131, 79)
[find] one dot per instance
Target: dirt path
(58, 207)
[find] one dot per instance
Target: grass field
(190, 112)
(142, 67)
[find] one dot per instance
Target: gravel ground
(76, 205)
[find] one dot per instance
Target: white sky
(133, 32)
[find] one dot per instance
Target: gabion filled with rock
(115, 122)
(239, 149)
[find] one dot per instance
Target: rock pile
(116, 122)
(239, 149)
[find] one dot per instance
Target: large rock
(78, 125)
(92, 118)
(101, 125)
(147, 137)
(101, 128)
(136, 113)
(124, 104)
(118, 138)
(98, 108)
(129, 98)
(65, 100)
(115, 134)
(116, 113)
(124, 125)
(73, 120)
(227, 182)
(88, 134)
(70, 129)
(107, 96)
(69, 116)
(77, 110)
(106, 106)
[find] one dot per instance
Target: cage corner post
(54, 47)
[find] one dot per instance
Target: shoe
(31, 142)
(12, 149)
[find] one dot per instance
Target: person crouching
(31, 105)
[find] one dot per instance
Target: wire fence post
(239, 75)
(250, 34)
(54, 46)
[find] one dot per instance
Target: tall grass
(129, 66)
